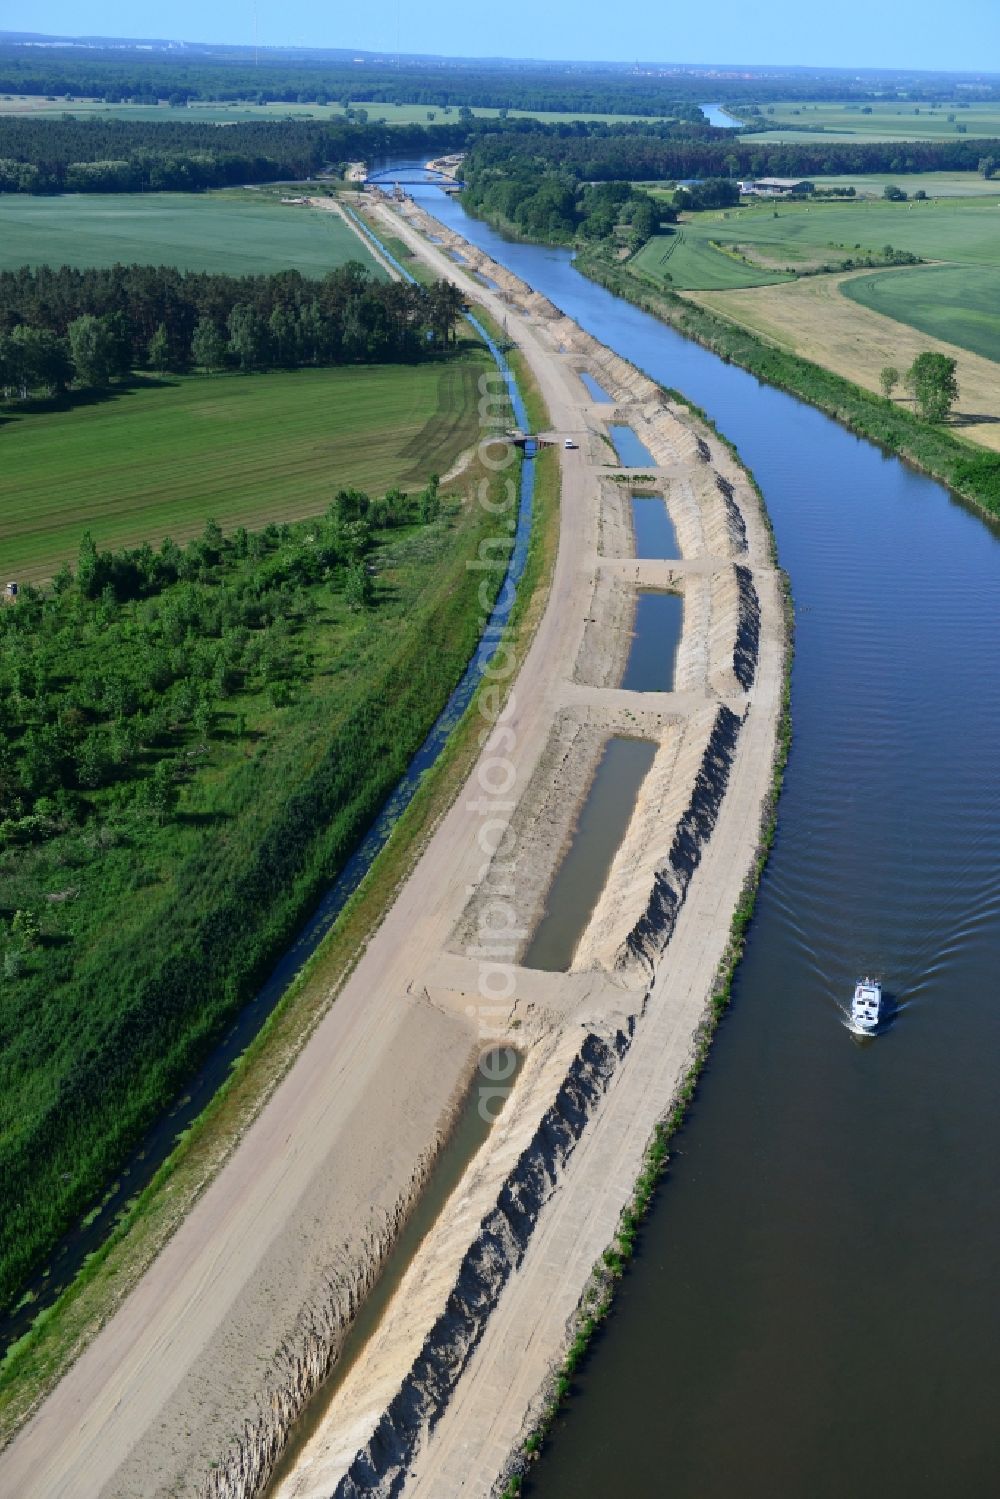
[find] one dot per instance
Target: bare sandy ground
(182, 1392)
(814, 319)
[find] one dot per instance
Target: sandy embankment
(189, 1388)
(467, 1341)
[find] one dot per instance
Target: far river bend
(815, 1307)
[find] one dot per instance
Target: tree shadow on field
(70, 400)
(972, 419)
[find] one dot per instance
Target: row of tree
(637, 154)
(96, 325)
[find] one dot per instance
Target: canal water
(594, 387)
(656, 634)
(652, 528)
(632, 451)
(815, 1302)
(601, 826)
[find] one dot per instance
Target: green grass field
(153, 460)
(236, 231)
(687, 260)
(887, 122)
(960, 304)
(392, 114)
(964, 231)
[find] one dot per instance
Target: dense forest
(107, 156)
(96, 325)
(637, 154)
(145, 75)
(193, 739)
(146, 79)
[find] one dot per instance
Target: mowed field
(814, 319)
(891, 121)
(957, 303)
(686, 258)
(157, 460)
(956, 300)
(237, 232)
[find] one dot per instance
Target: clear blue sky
(962, 34)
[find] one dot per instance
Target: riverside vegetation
(616, 255)
(193, 741)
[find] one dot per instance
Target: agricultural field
(801, 236)
(891, 121)
(957, 303)
(233, 231)
(221, 113)
(934, 184)
(813, 318)
(686, 258)
(155, 458)
(854, 323)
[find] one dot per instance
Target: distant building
(773, 187)
(11, 590)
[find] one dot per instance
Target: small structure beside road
(773, 187)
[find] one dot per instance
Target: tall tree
(247, 338)
(159, 350)
(934, 384)
(92, 350)
(888, 379)
(208, 349)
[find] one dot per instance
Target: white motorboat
(867, 1005)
